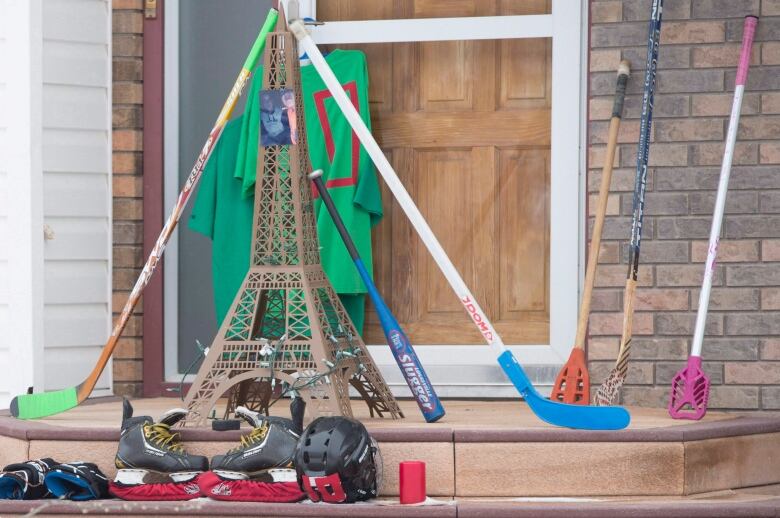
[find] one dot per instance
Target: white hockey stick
(573, 416)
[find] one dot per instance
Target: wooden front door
(466, 125)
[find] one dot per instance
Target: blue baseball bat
(402, 349)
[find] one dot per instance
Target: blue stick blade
(561, 414)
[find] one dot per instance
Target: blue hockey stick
(402, 349)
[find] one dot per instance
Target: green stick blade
(42, 404)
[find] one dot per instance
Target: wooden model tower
(286, 322)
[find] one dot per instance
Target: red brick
(770, 53)
(720, 104)
(597, 154)
(600, 108)
(603, 348)
(604, 60)
(769, 153)
(728, 251)
(770, 349)
(609, 252)
(128, 233)
(770, 250)
(128, 22)
(661, 299)
(128, 4)
(622, 180)
(679, 130)
(127, 186)
(613, 204)
(752, 373)
(129, 349)
(615, 275)
(128, 209)
(125, 278)
(629, 132)
(128, 140)
(134, 325)
(128, 370)
(128, 93)
(770, 8)
(605, 12)
(693, 32)
(127, 69)
(759, 128)
(612, 323)
(119, 299)
(719, 56)
(128, 257)
(126, 163)
(770, 298)
(711, 153)
(128, 45)
(606, 300)
(770, 103)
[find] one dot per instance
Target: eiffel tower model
(286, 322)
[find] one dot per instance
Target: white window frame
(446, 364)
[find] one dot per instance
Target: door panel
(467, 127)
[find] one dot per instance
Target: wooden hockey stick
(610, 389)
(42, 404)
(572, 385)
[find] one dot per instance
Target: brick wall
(128, 185)
(700, 42)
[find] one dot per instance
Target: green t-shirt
(223, 211)
(348, 171)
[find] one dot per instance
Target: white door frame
(446, 364)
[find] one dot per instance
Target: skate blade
(266, 475)
(132, 477)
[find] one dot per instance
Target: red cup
(412, 481)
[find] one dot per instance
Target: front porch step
(757, 502)
(480, 449)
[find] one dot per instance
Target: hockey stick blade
(562, 414)
(43, 404)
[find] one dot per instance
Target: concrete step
(480, 449)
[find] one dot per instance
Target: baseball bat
(403, 352)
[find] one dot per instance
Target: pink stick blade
(690, 392)
(748, 34)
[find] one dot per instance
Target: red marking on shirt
(319, 100)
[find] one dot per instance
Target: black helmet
(337, 461)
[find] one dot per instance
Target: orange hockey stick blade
(573, 382)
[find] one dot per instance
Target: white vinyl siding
(55, 172)
(76, 109)
(4, 352)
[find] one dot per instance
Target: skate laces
(256, 435)
(160, 434)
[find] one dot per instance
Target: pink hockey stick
(691, 386)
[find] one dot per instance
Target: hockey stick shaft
(723, 185)
(640, 182)
(601, 209)
(84, 389)
(403, 352)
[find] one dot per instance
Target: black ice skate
(149, 453)
(264, 453)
